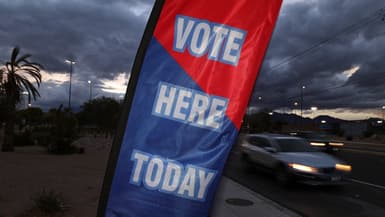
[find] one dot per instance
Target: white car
(292, 159)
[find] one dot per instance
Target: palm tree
(16, 75)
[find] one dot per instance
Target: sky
(334, 49)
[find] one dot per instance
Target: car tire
(283, 176)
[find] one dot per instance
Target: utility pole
(90, 83)
(301, 120)
(302, 88)
(71, 62)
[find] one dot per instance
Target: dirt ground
(77, 177)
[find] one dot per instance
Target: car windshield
(294, 145)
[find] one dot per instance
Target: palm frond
(23, 58)
(34, 63)
(19, 72)
(15, 52)
(37, 64)
(1, 76)
(30, 88)
(35, 74)
(31, 68)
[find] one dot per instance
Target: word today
(171, 177)
(189, 106)
(220, 42)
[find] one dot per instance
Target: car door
(251, 148)
(266, 157)
(260, 154)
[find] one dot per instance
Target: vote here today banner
(189, 89)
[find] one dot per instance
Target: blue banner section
(175, 144)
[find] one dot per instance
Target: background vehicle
(319, 140)
(292, 159)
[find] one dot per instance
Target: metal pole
(383, 120)
(90, 82)
(302, 87)
(69, 96)
(301, 99)
(382, 109)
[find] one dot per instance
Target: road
(362, 196)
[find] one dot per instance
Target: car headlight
(317, 144)
(303, 168)
(344, 167)
(336, 143)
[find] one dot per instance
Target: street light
(314, 108)
(295, 107)
(90, 83)
(28, 103)
(71, 62)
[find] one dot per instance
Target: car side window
(259, 142)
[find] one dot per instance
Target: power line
(325, 90)
(362, 23)
(321, 91)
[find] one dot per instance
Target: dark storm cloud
(101, 36)
(305, 23)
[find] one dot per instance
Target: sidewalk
(251, 204)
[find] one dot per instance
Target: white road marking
(367, 183)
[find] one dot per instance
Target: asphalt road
(362, 196)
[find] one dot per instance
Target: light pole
(90, 83)
(295, 107)
(26, 99)
(71, 62)
(302, 88)
(383, 108)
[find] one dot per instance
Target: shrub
(62, 146)
(49, 202)
(63, 131)
(41, 135)
(23, 139)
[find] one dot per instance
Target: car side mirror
(270, 149)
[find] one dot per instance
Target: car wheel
(283, 176)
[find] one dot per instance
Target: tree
(2, 99)
(63, 131)
(30, 116)
(102, 112)
(15, 79)
(258, 122)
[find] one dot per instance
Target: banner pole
(118, 138)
